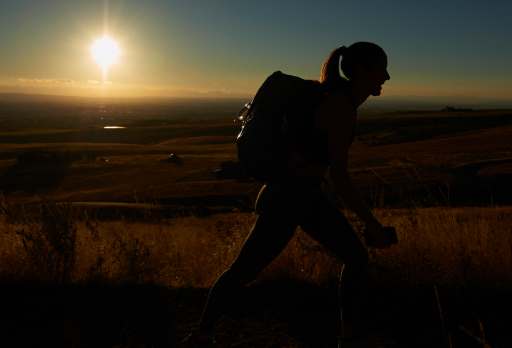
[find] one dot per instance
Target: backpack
(263, 143)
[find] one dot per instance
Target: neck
(359, 94)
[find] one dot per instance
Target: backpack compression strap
(301, 165)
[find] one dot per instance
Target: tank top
(311, 143)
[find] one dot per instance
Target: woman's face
(376, 77)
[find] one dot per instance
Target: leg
(272, 231)
(326, 224)
(263, 245)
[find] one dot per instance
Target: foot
(191, 342)
(357, 342)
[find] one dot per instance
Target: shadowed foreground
(136, 284)
(284, 314)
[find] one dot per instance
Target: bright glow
(105, 51)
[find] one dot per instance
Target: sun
(105, 51)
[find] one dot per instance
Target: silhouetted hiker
(297, 199)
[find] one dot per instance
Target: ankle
(202, 337)
(349, 332)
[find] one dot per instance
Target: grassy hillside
(395, 159)
(103, 272)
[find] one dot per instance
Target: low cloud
(36, 80)
(64, 81)
(92, 82)
(108, 82)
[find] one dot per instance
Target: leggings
(281, 207)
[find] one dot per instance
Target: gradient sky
(434, 47)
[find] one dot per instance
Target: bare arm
(340, 121)
(346, 189)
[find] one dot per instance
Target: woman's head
(358, 61)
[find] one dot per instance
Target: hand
(379, 236)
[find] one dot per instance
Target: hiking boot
(357, 342)
(190, 342)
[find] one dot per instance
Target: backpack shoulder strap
(354, 106)
(352, 101)
(350, 97)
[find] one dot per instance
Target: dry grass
(463, 249)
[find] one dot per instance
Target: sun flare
(105, 51)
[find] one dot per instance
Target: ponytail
(344, 61)
(331, 76)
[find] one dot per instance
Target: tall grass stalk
(479, 339)
(463, 249)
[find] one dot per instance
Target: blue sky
(433, 48)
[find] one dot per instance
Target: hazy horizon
(146, 92)
(183, 93)
(205, 106)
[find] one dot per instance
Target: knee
(359, 260)
(240, 276)
(364, 259)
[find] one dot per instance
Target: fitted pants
(296, 200)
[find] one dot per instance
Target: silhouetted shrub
(38, 156)
(231, 170)
(49, 241)
(173, 158)
(33, 156)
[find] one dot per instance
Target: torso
(320, 121)
(295, 158)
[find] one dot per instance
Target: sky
(171, 46)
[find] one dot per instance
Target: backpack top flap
(278, 93)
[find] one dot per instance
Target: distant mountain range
(119, 92)
(424, 103)
(183, 93)
(385, 104)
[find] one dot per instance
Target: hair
(360, 53)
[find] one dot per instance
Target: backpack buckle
(242, 114)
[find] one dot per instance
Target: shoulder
(336, 109)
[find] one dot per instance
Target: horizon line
(224, 95)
